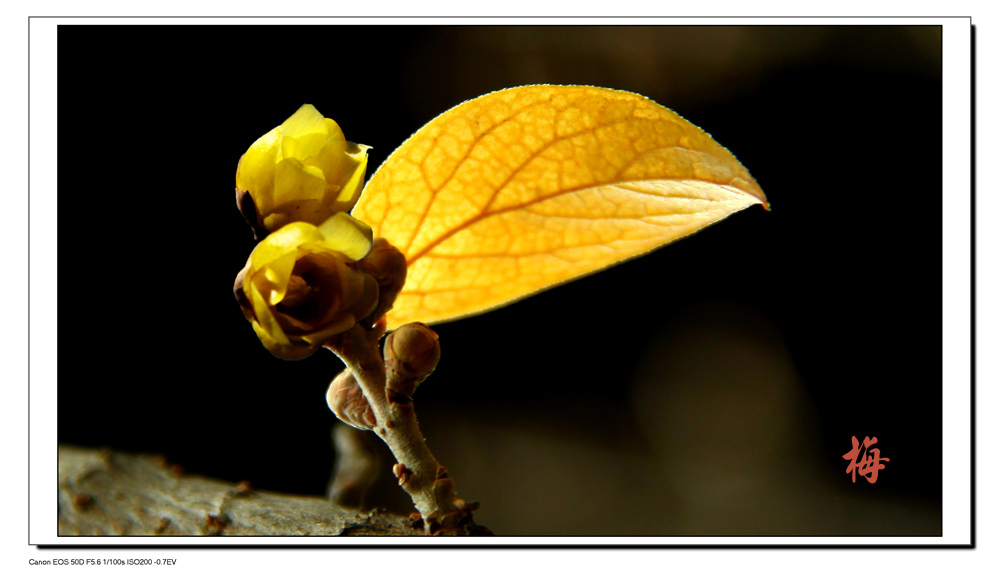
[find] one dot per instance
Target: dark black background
(841, 126)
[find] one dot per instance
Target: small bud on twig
(411, 353)
(345, 399)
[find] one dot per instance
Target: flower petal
(349, 193)
(256, 170)
(331, 157)
(303, 134)
(277, 274)
(294, 181)
(334, 136)
(345, 234)
(307, 210)
(303, 148)
(306, 121)
(285, 240)
(358, 292)
(345, 322)
(283, 350)
(265, 324)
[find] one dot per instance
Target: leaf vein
(487, 213)
(434, 190)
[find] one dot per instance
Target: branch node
(396, 397)
(402, 473)
(82, 502)
(242, 489)
(216, 523)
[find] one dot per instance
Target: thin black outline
(430, 544)
(972, 306)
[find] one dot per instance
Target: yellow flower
(303, 170)
(300, 286)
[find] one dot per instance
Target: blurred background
(709, 388)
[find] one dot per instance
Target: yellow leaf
(520, 190)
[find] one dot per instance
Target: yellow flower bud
(302, 170)
(301, 285)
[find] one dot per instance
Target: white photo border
(957, 506)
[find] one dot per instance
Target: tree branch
(113, 493)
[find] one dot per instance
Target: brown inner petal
(313, 295)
